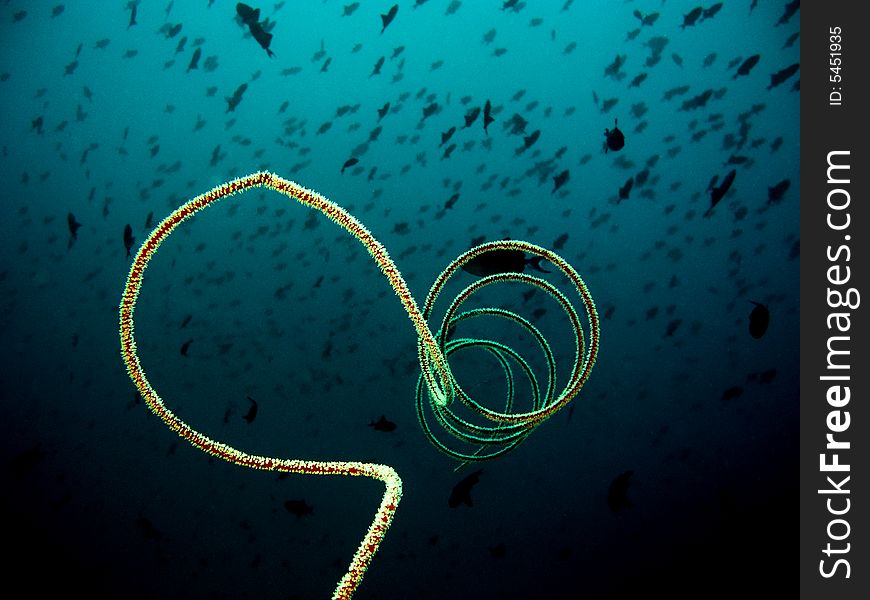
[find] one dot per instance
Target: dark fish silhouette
(783, 75)
(73, 228)
(349, 163)
(625, 190)
(747, 65)
(236, 98)
(615, 140)
(128, 238)
(790, 9)
(502, 261)
(382, 112)
(194, 62)
(775, 193)
(430, 109)
(185, 347)
(461, 492)
(300, 508)
(718, 192)
(692, 16)
(759, 319)
(252, 411)
(377, 69)
(711, 12)
(388, 18)
(251, 18)
(445, 136)
(560, 180)
(487, 116)
(383, 424)
(617, 494)
(731, 393)
(132, 5)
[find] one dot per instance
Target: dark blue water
(284, 307)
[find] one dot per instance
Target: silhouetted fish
(783, 75)
(252, 411)
(731, 393)
(759, 319)
(185, 347)
(617, 493)
(747, 65)
(128, 238)
(775, 193)
(349, 163)
(615, 140)
(388, 18)
(501, 261)
(487, 116)
(717, 193)
(383, 424)
(560, 180)
(300, 508)
(461, 493)
(73, 226)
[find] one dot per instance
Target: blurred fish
(775, 193)
(783, 75)
(759, 319)
(252, 411)
(388, 18)
(349, 163)
(617, 493)
(73, 226)
(747, 65)
(128, 238)
(717, 193)
(300, 508)
(461, 492)
(383, 424)
(692, 16)
(498, 261)
(487, 116)
(560, 180)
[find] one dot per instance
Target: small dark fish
(747, 65)
(672, 327)
(252, 411)
(775, 193)
(300, 508)
(350, 9)
(185, 321)
(377, 68)
(471, 117)
(783, 75)
(132, 5)
(388, 18)
(251, 18)
(128, 238)
(236, 98)
(445, 136)
(711, 11)
(349, 163)
(73, 228)
(559, 242)
(692, 16)
(731, 393)
(759, 319)
(487, 116)
(194, 62)
(560, 180)
(185, 347)
(790, 9)
(717, 193)
(57, 10)
(625, 190)
(382, 112)
(451, 201)
(617, 493)
(461, 492)
(615, 140)
(383, 424)
(430, 109)
(498, 551)
(502, 261)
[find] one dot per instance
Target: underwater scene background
(674, 470)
